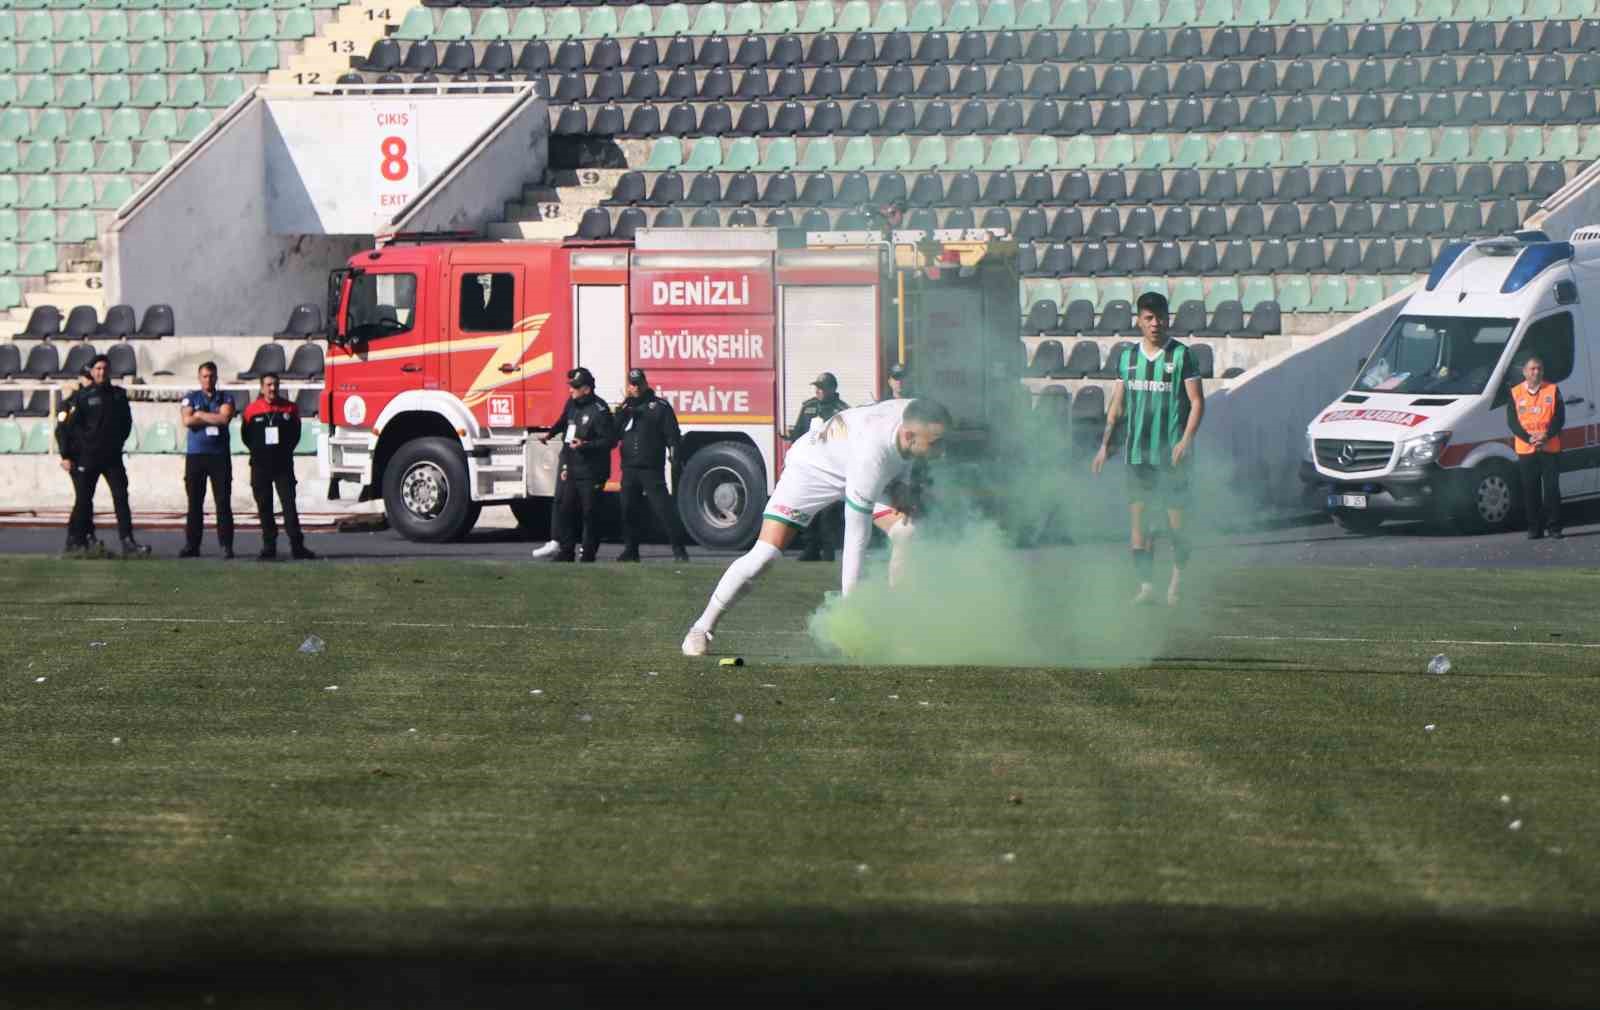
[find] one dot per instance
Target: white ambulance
(1422, 432)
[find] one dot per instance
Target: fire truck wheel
(425, 492)
(721, 494)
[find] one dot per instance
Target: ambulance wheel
(425, 493)
(721, 494)
(1490, 499)
(1357, 522)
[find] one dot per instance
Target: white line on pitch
(1395, 641)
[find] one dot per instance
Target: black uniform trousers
(264, 479)
(86, 474)
(198, 469)
(576, 498)
(640, 484)
(825, 532)
(1541, 489)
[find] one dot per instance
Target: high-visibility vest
(1535, 412)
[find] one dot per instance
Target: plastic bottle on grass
(1439, 664)
(313, 646)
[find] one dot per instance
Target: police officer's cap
(826, 381)
(636, 376)
(580, 377)
(898, 371)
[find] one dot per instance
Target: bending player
(1160, 397)
(853, 458)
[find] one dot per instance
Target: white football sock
(735, 581)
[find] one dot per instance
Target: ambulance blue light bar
(1447, 259)
(1533, 262)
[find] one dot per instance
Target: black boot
(227, 552)
(269, 552)
(629, 554)
(189, 552)
(300, 552)
(132, 548)
(679, 553)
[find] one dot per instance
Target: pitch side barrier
(290, 181)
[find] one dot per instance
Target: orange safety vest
(1535, 411)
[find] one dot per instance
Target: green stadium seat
(744, 19)
(781, 155)
(1036, 291)
(14, 125)
(1255, 12)
(77, 91)
(1491, 144)
(38, 440)
(79, 157)
(818, 16)
(454, 25)
(1005, 153)
(10, 292)
(857, 155)
(894, 153)
(892, 16)
(86, 124)
(1397, 11)
(705, 155)
(926, 17)
(1193, 151)
(225, 90)
(1436, 10)
(36, 28)
(116, 156)
(114, 58)
(1338, 147)
(1117, 151)
(1034, 14)
(37, 159)
(1041, 154)
(1187, 289)
(1290, 12)
(1082, 290)
(1223, 289)
(259, 27)
(37, 93)
(130, 444)
(150, 92)
(262, 58)
(78, 193)
(1542, 10)
(195, 122)
(1325, 11)
(1178, 14)
(1107, 14)
(1302, 149)
(78, 227)
(187, 92)
(709, 19)
(418, 25)
(10, 259)
(114, 193)
(38, 58)
(8, 26)
(1576, 10)
(38, 260)
(1228, 152)
(109, 26)
(665, 155)
(966, 154)
(1591, 145)
(1216, 12)
(8, 58)
(1294, 293)
(602, 24)
(1563, 144)
(187, 58)
(1255, 290)
(964, 15)
(931, 155)
(139, 5)
(1503, 10)
(160, 124)
(1416, 145)
(530, 24)
(562, 24)
(1368, 292)
(225, 58)
(1116, 289)
(39, 194)
(1376, 146)
(223, 25)
(1527, 144)
(854, 16)
(296, 24)
(186, 26)
(1363, 11)
(780, 18)
(10, 227)
(113, 91)
(1143, 14)
(494, 23)
(149, 58)
(309, 431)
(820, 155)
(152, 157)
(1330, 294)
(1266, 151)
(11, 439)
(1396, 284)
(160, 436)
(743, 155)
(8, 191)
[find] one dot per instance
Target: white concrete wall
(199, 240)
(155, 488)
(487, 175)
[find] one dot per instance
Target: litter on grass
(1515, 825)
(1439, 664)
(1429, 728)
(313, 646)
(738, 717)
(331, 687)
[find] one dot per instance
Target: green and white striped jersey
(1155, 406)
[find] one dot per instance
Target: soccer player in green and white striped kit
(1159, 396)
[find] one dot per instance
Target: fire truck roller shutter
(601, 337)
(829, 329)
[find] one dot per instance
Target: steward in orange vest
(1536, 416)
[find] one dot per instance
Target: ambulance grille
(1348, 455)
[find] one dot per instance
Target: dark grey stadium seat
(10, 359)
(1043, 317)
(43, 361)
(44, 322)
(307, 403)
(1048, 358)
(1116, 320)
(268, 358)
(1189, 319)
(1266, 319)
(1085, 358)
(629, 221)
(78, 358)
(1111, 366)
(307, 363)
(122, 362)
(159, 321)
(305, 321)
(38, 404)
(384, 56)
(1226, 320)
(1078, 318)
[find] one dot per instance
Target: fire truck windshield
(381, 305)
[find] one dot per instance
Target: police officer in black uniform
(896, 387)
(90, 437)
(648, 429)
(69, 403)
(823, 534)
(586, 432)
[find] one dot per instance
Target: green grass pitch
(503, 777)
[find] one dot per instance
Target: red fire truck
(447, 354)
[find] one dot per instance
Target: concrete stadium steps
(551, 211)
(350, 31)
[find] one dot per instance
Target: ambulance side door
(1556, 338)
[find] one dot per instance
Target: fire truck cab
(448, 357)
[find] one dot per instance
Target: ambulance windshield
(1436, 354)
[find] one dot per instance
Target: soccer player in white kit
(853, 457)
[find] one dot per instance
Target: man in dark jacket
(90, 436)
(648, 429)
(271, 431)
(586, 433)
(69, 403)
(821, 536)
